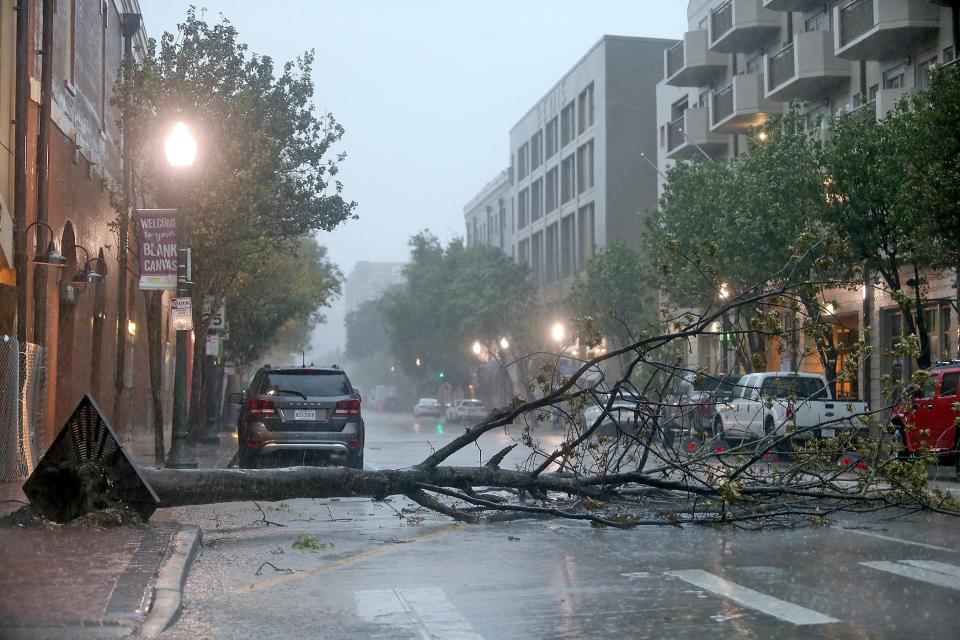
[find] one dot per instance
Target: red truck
(929, 420)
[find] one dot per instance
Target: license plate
(304, 414)
(827, 433)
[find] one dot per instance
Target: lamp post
(181, 150)
(724, 294)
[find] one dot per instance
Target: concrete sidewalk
(65, 582)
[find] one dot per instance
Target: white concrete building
(742, 61)
(579, 177)
(489, 215)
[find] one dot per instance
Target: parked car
(428, 407)
(928, 421)
(627, 413)
(691, 404)
(777, 403)
(301, 415)
(467, 410)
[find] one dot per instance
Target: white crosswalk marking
(752, 599)
(426, 611)
(936, 573)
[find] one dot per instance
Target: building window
(922, 72)
(567, 125)
(892, 329)
(894, 78)
(585, 109)
(536, 257)
(536, 200)
(523, 210)
(585, 220)
(553, 189)
(552, 138)
(551, 254)
(567, 239)
(523, 252)
(818, 22)
(585, 167)
(567, 178)
(536, 150)
(949, 55)
(522, 167)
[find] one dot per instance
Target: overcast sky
(426, 89)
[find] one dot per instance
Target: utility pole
(40, 276)
(22, 98)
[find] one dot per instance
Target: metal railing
(721, 20)
(675, 58)
(722, 103)
(855, 19)
(781, 66)
(675, 132)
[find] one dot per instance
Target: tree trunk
(153, 301)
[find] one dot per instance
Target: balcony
(791, 5)
(887, 100)
(876, 29)
(740, 104)
(690, 63)
(690, 131)
(805, 69)
(738, 25)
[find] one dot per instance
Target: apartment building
(743, 61)
(489, 215)
(578, 177)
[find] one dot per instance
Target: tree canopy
(453, 296)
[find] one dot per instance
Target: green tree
(266, 167)
(366, 334)
(616, 294)
(452, 297)
(873, 209)
(281, 301)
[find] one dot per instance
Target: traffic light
(441, 375)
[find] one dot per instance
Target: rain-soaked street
(385, 570)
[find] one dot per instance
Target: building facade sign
(158, 248)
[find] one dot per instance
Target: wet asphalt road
(379, 575)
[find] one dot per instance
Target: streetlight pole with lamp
(181, 150)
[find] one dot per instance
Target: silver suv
(300, 415)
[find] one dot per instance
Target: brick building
(72, 326)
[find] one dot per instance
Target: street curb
(168, 591)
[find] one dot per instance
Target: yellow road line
(364, 555)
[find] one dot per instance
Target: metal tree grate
(86, 469)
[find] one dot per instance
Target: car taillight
(354, 444)
(257, 407)
(704, 408)
(789, 414)
(346, 408)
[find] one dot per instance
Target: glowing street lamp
(180, 146)
(181, 150)
(477, 348)
(724, 291)
(504, 344)
(558, 332)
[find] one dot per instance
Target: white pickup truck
(777, 403)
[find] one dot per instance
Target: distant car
(928, 421)
(428, 407)
(467, 411)
(691, 405)
(627, 413)
(299, 415)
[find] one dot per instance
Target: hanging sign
(181, 314)
(158, 247)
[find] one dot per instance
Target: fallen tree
(617, 469)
